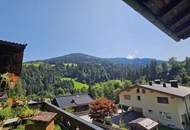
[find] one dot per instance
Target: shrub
(108, 121)
(69, 109)
(27, 112)
(5, 113)
(57, 127)
(20, 127)
(101, 108)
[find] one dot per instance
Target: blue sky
(104, 28)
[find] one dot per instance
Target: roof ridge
(6, 42)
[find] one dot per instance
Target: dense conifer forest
(99, 77)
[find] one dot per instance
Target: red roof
(43, 116)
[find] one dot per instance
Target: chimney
(164, 85)
(174, 83)
(157, 81)
(150, 83)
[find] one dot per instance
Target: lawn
(77, 85)
(36, 64)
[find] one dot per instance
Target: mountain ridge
(89, 59)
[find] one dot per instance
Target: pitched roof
(145, 122)
(181, 91)
(72, 101)
(12, 46)
(43, 116)
(170, 16)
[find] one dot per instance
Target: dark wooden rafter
(182, 26)
(184, 33)
(181, 23)
(160, 7)
(171, 16)
(148, 14)
(168, 7)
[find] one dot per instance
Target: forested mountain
(84, 58)
(79, 73)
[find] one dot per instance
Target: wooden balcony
(68, 119)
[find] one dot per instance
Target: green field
(36, 64)
(77, 85)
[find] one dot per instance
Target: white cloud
(131, 56)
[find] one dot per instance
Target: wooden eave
(170, 16)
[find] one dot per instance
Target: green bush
(26, 112)
(20, 127)
(5, 113)
(70, 109)
(108, 121)
(57, 127)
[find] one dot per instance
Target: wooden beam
(175, 27)
(184, 33)
(179, 16)
(151, 17)
(182, 26)
(172, 15)
(166, 9)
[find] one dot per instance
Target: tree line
(47, 80)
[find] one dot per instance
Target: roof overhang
(170, 16)
(140, 86)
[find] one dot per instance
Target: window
(166, 116)
(149, 111)
(127, 97)
(163, 100)
(138, 98)
(143, 91)
(138, 90)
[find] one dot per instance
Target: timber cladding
(11, 57)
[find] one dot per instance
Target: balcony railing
(68, 119)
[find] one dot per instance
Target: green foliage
(36, 64)
(5, 113)
(57, 127)
(70, 109)
(108, 121)
(78, 86)
(122, 124)
(26, 112)
(124, 128)
(17, 91)
(20, 127)
(52, 78)
(110, 89)
(4, 82)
